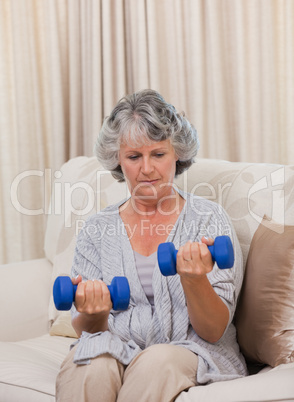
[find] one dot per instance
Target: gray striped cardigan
(103, 251)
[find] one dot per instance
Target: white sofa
(35, 337)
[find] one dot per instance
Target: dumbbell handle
(64, 293)
(221, 251)
(210, 248)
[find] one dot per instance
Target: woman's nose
(147, 166)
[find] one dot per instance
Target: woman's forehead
(150, 145)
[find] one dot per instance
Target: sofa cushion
(28, 369)
(24, 299)
(62, 325)
(265, 312)
(275, 385)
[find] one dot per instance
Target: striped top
(145, 266)
(104, 250)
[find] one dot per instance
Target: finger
(89, 293)
(76, 280)
(98, 295)
(102, 300)
(207, 240)
(205, 256)
(180, 252)
(97, 290)
(106, 297)
(187, 256)
(180, 259)
(195, 251)
(100, 289)
(80, 296)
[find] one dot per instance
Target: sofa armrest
(24, 299)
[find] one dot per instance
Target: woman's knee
(161, 355)
(162, 358)
(159, 373)
(79, 382)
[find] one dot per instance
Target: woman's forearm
(91, 323)
(93, 302)
(207, 312)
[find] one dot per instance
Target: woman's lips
(148, 182)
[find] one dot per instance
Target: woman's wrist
(91, 323)
(194, 282)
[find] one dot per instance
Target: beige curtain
(229, 64)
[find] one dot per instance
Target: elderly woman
(177, 331)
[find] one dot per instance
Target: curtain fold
(64, 64)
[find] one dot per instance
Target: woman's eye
(135, 157)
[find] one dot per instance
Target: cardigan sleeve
(211, 220)
(86, 261)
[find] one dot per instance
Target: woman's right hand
(93, 302)
(92, 297)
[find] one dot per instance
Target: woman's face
(150, 169)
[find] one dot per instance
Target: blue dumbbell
(64, 293)
(222, 253)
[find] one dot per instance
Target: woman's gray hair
(142, 118)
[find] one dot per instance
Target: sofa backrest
(247, 191)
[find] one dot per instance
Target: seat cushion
(28, 369)
(269, 385)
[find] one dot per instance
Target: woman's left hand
(194, 259)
